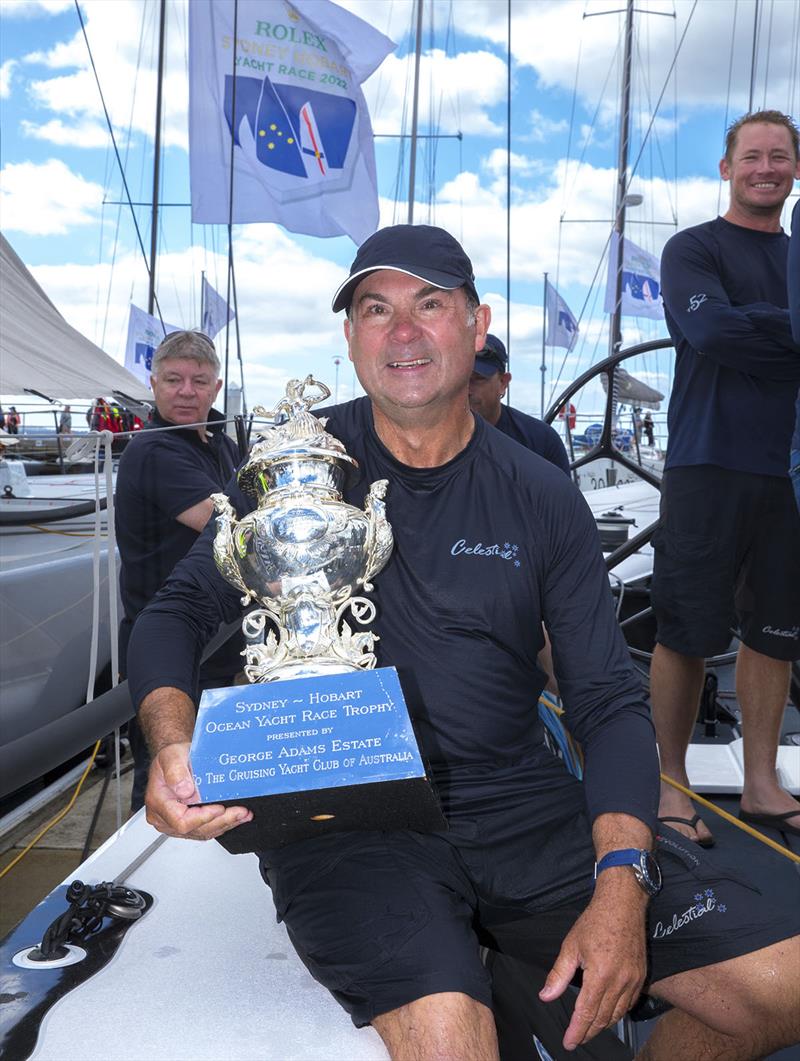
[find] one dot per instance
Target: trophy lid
(298, 437)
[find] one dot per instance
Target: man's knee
(449, 1026)
(753, 998)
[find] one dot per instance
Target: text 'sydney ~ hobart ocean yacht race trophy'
(321, 740)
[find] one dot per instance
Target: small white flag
(641, 281)
(145, 333)
(216, 311)
(562, 325)
(304, 152)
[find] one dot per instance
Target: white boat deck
(227, 987)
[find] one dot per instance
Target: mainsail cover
(40, 352)
(633, 391)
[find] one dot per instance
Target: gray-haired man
(163, 493)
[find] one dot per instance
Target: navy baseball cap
(423, 251)
(493, 358)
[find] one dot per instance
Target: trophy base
(287, 817)
(320, 754)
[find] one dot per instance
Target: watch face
(651, 873)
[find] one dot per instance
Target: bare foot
(675, 805)
(768, 799)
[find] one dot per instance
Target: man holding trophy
(490, 543)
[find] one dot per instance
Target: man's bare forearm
(615, 832)
(612, 832)
(166, 716)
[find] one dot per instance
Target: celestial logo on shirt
(506, 551)
(791, 633)
(695, 302)
(704, 902)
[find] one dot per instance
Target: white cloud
(128, 80)
(35, 8)
(521, 165)
(550, 35)
(46, 199)
(543, 128)
(455, 92)
(83, 134)
(284, 287)
(6, 73)
(284, 293)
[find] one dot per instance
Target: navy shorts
(382, 919)
(727, 557)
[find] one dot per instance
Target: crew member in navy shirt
(490, 541)
(166, 476)
(726, 551)
(487, 388)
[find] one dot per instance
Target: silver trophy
(303, 552)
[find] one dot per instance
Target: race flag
(216, 311)
(144, 335)
(304, 152)
(641, 281)
(562, 326)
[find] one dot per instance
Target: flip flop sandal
(706, 841)
(772, 821)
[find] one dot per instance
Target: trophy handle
(224, 552)
(379, 534)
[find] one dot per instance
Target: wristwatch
(643, 863)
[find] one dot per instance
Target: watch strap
(627, 856)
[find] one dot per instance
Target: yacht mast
(615, 329)
(412, 172)
(157, 160)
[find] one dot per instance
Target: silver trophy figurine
(303, 551)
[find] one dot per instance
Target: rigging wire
(794, 72)
(234, 130)
(655, 139)
(401, 154)
(728, 93)
(588, 138)
(180, 24)
(571, 127)
(116, 149)
(429, 156)
(568, 192)
(754, 55)
(119, 207)
(768, 54)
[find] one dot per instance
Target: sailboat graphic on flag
(297, 131)
(309, 137)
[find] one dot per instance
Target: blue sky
(57, 166)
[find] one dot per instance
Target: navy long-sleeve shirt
(793, 285)
(162, 474)
(534, 434)
(737, 367)
(486, 548)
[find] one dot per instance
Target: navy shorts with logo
(382, 919)
(727, 556)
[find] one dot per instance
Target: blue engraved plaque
(312, 755)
